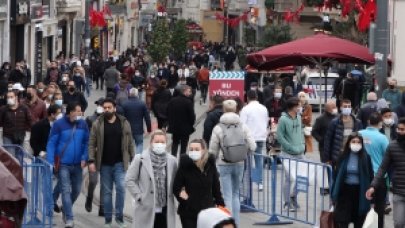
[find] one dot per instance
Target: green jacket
(290, 134)
(96, 142)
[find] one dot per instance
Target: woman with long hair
(352, 178)
(150, 181)
(306, 118)
(196, 185)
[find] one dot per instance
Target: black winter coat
(319, 131)
(211, 121)
(160, 100)
(181, 115)
(39, 136)
(334, 138)
(394, 160)
(203, 188)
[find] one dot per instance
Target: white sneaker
(260, 187)
(121, 224)
(69, 224)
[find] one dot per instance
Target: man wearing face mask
(139, 82)
(376, 144)
(74, 96)
(388, 127)
(392, 94)
(37, 106)
(41, 129)
(111, 149)
(393, 160)
(15, 120)
(274, 104)
(69, 141)
(338, 131)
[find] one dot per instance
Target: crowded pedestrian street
(202, 114)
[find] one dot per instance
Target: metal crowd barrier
(307, 178)
(38, 186)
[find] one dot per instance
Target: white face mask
(59, 116)
(11, 101)
(277, 95)
(335, 111)
(40, 90)
(99, 110)
(388, 121)
(346, 111)
(50, 96)
(137, 74)
(195, 155)
(159, 148)
(355, 147)
(59, 102)
(79, 118)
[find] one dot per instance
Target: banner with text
(228, 84)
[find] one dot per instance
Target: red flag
(367, 15)
(107, 10)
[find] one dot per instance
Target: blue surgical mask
(59, 102)
(346, 111)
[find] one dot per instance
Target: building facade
(397, 36)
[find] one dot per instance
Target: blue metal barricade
(299, 182)
(38, 187)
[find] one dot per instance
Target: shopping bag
(326, 220)
(371, 219)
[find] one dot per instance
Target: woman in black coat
(196, 185)
(160, 99)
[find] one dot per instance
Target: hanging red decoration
(367, 15)
(232, 22)
(346, 7)
(293, 16)
(97, 17)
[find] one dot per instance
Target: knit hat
(211, 217)
(230, 106)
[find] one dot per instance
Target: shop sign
(228, 84)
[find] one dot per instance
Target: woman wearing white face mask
(196, 185)
(150, 180)
(352, 178)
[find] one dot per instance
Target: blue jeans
(110, 175)
(70, 178)
(138, 140)
(230, 177)
(257, 172)
(56, 191)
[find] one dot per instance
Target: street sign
(229, 84)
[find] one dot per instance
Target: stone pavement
(83, 219)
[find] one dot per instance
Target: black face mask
(71, 89)
(392, 87)
(109, 115)
(400, 138)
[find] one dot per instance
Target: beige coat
(96, 141)
(140, 183)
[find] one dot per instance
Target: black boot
(88, 205)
